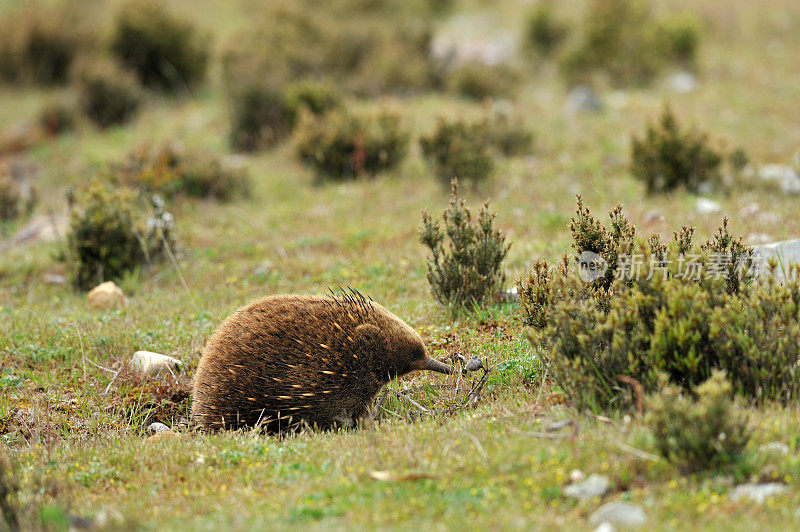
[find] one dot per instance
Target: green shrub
(459, 149)
(478, 80)
(610, 318)
(509, 136)
(170, 170)
(667, 157)
(707, 433)
(58, 117)
(110, 235)
(40, 41)
(340, 145)
(621, 39)
(313, 97)
(467, 270)
(164, 51)
(107, 94)
(260, 117)
(545, 33)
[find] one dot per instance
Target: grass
(79, 450)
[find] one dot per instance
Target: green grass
(79, 450)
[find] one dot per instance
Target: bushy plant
(107, 94)
(9, 197)
(478, 80)
(164, 51)
(667, 157)
(110, 234)
(625, 307)
(169, 170)
(622, 39)
(545, 32)
(340, 145)
(509, 136)
(465, 267)
(459, 149)
(313, 97)
(260, 117)
(707, 431)
(38, 42)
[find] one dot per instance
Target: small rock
(594, 486)
(758, 492)
(576, 475)
(682, 82)
(619, 514)
(785, 176)
(54, 278)
(774, 447)
(583, 99)
(706, 206)
(163, 436)
(106, 296)
(149, 363)
(155, 428)
(605, 526)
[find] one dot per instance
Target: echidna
(288, 361)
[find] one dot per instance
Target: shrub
(316, 98)
(621, 39)
(706, 433)
(13, 201)
(468, 268)
(170, 170)
(340, 145)
(165, 52)
(667, 157)
(459, 149)
(609, 320)
(57, 117)
(545, 33)
(478, 80)
(39, 42)
(259, 117)
(508, 136)
(107, 94)
(109, 235)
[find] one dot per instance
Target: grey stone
(594, 486)
(785, 176)
(605, 526)
(758, 492)
(682, 82)
(154, 428)
(706, 206)
(583, 99)
(576, 475)
(149, 363)
(619, 514)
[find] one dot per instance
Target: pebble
(149, 363)
(758, 492)
(106, 296)
(682, 82)
(155, 428)
(706, 206)
(785, 176)
(594, 486)
(619, 514)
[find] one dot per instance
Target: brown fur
(288, 361)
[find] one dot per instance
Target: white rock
(785, 176)
(576, 475)
(682, 82)
(785, 252)
(605, 526)
(594, 486)
(156, 427)
(758, 492)
(619, 514)
(776, 447)
(106, 296)
(149, 363)
(582, 99)
(706, 206)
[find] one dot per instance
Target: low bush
(622, 40)
(58, 117)
(340, 145)
(259, 117)
(545, 32)
(165, 52)
(478, 80)
(704, 432)
(14, 201)
(170, 170)
(110, 234)
(465, 267)
(666, 157)
(107, 94)
(508, 135)
(313, 97)
(459, 149)
(635, 309)
(38, 42)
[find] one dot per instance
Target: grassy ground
(78, 449)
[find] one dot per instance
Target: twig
(638, 453)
